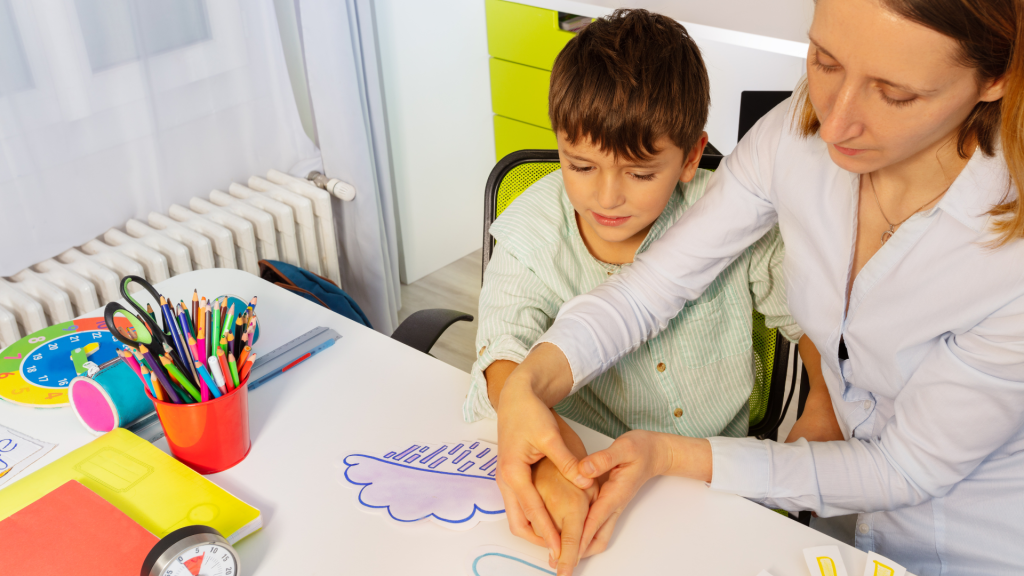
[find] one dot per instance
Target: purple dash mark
(412, 458)
(492, 472)
(474, 445)
(406, 452)
(460, 457)
(483, 452)
(454, 450)
(489, 463)
(389, 454)
(466, 466)
(432, 454)
(425, 448)
(438, 463)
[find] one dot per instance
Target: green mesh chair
(772, 359)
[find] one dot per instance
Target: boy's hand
(568, 507)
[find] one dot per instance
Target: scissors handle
(143, 334)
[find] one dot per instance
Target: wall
(437, 95)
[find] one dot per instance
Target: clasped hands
(558, 497)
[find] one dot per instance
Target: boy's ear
(693, 158)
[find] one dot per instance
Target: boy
(628, 102)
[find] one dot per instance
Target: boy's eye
(576, 168)
(644, 177)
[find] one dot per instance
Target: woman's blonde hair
(991, 38)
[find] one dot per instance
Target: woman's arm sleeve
(516, 307)
(961, 405)
(596, 329)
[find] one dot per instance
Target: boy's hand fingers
(602, 461)
(572, 529)
(533, 508)
(556, 451)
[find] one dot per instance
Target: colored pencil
(217, 375)
(244, 355)
(230, 322)
(204, 387)
(234, 369)
(216, 324)
(154, 367)
(224, 370)
(248, 367)
(208, 382)
(161, 396)
(209, 332)
(195, 305)
(224, 345)
(231, 344)
(181, 378)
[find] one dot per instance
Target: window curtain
(343, 73)
(110, 109)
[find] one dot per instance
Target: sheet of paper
(451, 484)
(879, 565)
(17, 452)
(498, 561)
(824, 561)
(764, 573)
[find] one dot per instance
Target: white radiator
(280, 217)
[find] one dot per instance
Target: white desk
(368, 392)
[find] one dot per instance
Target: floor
(457, 286)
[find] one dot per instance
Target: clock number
(214, 551)
(227, 571)
(44, 378)
(101, 325)
(62, 382)
(30, 369)
(18, 357)
(197, 550)
(53, 395)
(20, 390)
(97, 335)
(53, 345)
(225, 558)
(5, 375)
(37, 357)
(37, 340)
(74, 338)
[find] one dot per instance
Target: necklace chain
(892, 227)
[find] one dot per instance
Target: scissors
(145, 328)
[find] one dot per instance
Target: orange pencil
(225, 370)
(244, 355)
(248, 367)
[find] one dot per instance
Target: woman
(895, 179)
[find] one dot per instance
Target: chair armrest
(422, 329)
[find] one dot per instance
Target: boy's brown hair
(628, 79)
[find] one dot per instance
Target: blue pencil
(205, 375)
(175, 334)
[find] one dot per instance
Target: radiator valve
(342, 190)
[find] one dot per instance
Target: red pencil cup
(209, 436)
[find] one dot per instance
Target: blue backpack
(314, 288)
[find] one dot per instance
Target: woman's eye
(644, 177)
(824, 67)
(898, 102)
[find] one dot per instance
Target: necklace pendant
(887, 234)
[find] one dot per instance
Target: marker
(218, 376)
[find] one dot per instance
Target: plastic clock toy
(36, 370)
(191, 551)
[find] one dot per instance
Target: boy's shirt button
(661, 366)
(678, 413)
(610, 272)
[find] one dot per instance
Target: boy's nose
(609, 194)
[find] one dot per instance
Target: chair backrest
(519, 170)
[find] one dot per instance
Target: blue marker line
(438, 463)
(483, 452)
(460, 457)
(454, 450)
(430, 456)
(469, 464)
(489, 463)
(406, 453)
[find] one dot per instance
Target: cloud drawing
(450, 484)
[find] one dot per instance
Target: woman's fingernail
(589, 468)
(580, 480)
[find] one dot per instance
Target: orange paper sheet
(71, 530)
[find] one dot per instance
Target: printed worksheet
(17, 452)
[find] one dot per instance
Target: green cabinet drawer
(520, 92)
(511, 135)
(524, 34)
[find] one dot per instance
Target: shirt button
(678, 412)
(661, 366)
(863, 529)
(867, 404)
(610, 272)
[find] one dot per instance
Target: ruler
(265, 368)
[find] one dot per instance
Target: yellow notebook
(144, 482)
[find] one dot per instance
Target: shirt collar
(982, 184)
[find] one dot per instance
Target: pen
(218, 376)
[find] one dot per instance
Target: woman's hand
(568, 506)
(527, 432)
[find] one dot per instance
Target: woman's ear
(993, 90)
(693, 158)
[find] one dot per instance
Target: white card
(879, 565)
(499, 561)
(764, 573)
(824, 561)
(17, 452)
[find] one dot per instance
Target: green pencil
(234, 369)
(216, 323)
(182, 380)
